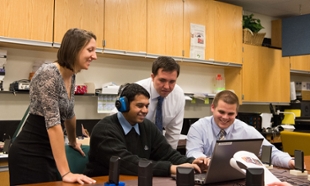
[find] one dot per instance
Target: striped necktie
(159, 115)
(222, 134)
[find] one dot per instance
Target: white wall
(193, 78)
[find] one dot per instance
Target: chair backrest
(21, 124)
(76, 161)
(292, 141)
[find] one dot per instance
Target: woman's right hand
(80, 178)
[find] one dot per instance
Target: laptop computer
(219, 168)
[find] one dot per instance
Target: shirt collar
(126, 125)
(154, 94)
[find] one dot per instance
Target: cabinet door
(4, 177)
(31, 19)
(250, 73)
(165, 27)
(301, 63)
(277, 82)
(223, 26)
(276, 33)
(283, 78)
(4, 174)
(199, 12)
(265, 75)
(125, 25)
(84, 14)
(227, 33)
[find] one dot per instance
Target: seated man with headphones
(130, 136)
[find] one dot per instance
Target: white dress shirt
(172, 110)
(203, 134)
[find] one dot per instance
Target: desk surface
(160, 181)
(130, 181)
(282, 174)
(100, 180)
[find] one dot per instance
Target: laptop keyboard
(200, 178)
(284, 175)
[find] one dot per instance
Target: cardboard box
(110, 89)
(305, 95)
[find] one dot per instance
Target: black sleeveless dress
(30, 157)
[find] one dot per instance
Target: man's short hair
(228, 97)
(168, 64)
(130, 90)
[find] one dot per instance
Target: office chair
(76, 161)
(21, 124)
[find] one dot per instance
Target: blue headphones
(121, 103)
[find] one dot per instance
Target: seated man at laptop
(222, 124)
(130, 136)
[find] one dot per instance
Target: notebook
(219, 169)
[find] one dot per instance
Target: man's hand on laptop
(203, 163)
(199, 165)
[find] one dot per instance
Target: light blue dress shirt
(126, 125)
(202, 136)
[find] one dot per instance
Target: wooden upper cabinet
(276, 33)
(84, 14)
(279, 66)
(227, 33)
(165, 27)
(125, 25)
(265, 75)
(250, 74)
(300, 63)
(31, 19)
(223, 29)
(199, 12)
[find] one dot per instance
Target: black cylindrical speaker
(255, 177)
(145, 173)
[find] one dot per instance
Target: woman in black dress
(38, 152)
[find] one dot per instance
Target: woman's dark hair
(72, 43)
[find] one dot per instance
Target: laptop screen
(219, 169)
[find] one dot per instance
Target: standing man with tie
(223, 124)
(167, 100)
(128, 135)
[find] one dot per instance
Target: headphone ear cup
(122, 104)
(126, 105)
(118, 104)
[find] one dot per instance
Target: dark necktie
(222, 135)
(159, 115)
